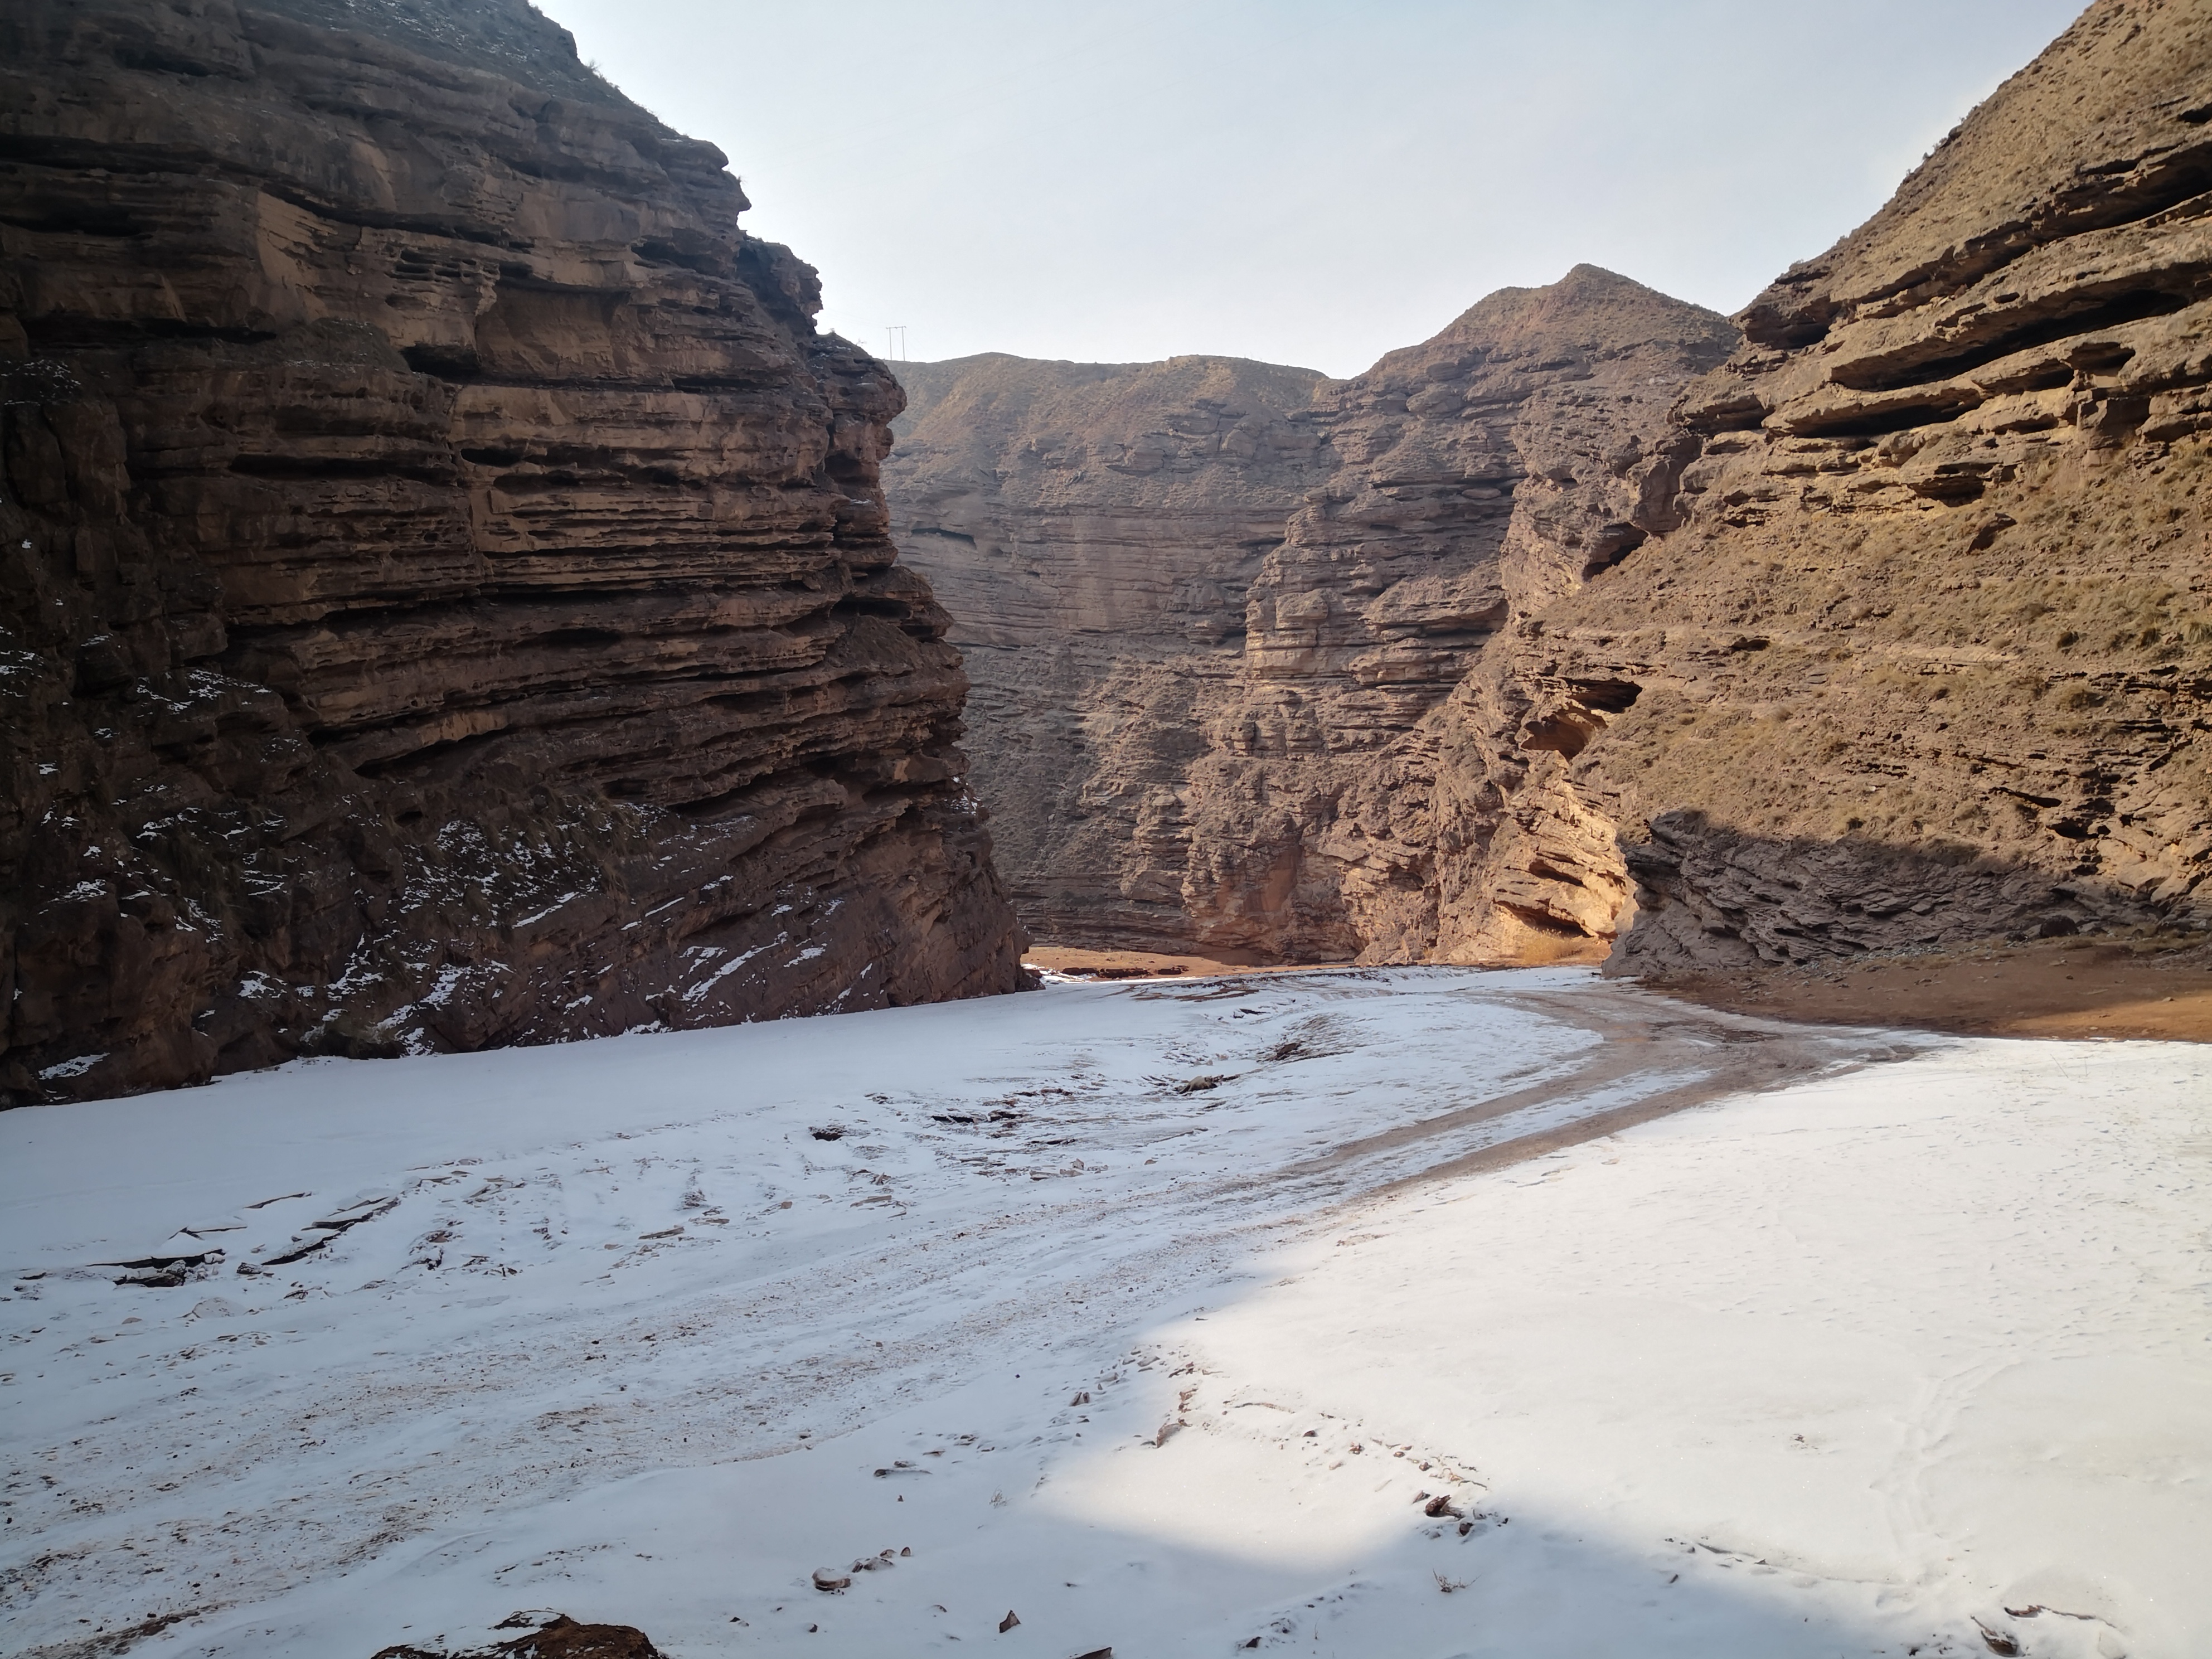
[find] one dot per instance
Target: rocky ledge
(447, 596)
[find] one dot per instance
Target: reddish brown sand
(1143, 964)
(2066, 988)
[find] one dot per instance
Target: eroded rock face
(1214, 610)
(1931, 658)
(448, 600)
(1517, 458)
(1096, 530)
(1897, 631)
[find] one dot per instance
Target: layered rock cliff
(1094, 531)
(447, 596)
(1930, 657)
(1895, 631)
(1211, 607)
(1519, 457)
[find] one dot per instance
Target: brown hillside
(1895, 633)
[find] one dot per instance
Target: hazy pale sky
(1297, 181)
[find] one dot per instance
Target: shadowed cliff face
(447, 596)
(1096, 532)
(1945, 578)
(1213, 609)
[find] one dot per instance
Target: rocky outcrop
(1517, 458)
(447, 596)
(1214, 610)
(1930, 657)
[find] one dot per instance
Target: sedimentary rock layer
(1212, 606)
(1094, 531)
(447, 596)
(1930, 657)
(1895, 631)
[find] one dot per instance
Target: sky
(1292, 180)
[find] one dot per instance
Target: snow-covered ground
(1160, 1316)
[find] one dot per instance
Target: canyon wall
(1213, 608)
(446, 596)
(1094, 531)
(1892, 629)
(1930, 657)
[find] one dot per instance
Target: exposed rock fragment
(559, 1638)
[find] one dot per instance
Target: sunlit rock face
(1930, 657)
(1213, 609)
(1593, 629)
(448, 599)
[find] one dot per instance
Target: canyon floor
(1419, 1311)
(1079, 962)
(2081, 986)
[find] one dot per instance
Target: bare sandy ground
(1082, 963)
(2065, 987)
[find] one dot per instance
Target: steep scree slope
(1213, 609)
(447, 594)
